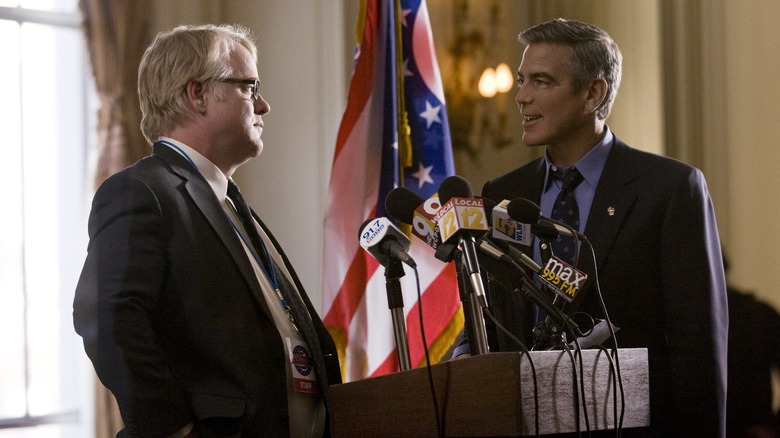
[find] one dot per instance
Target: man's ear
(196, 95)
(597, 92)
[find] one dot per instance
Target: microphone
(504, 252)
(401, 202)
(407, 207)
(389, 246)
(384, 240)
(524, 211)
(460, 218)
(460, 211)
(508, 253)
(527, 286)
(561, 277)
(505, 227)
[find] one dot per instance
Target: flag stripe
(362, 82)
(365, 168)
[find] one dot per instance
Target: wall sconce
(493, 81)
(475, 94)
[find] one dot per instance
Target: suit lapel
(615, 196)
(203, 196)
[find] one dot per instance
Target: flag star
(407, 72)
(431, 114)
(423, 175)
(405, 12)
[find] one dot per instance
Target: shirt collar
(590, 165)
(216, 179)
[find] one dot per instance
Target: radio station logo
(370, 233)
(461, 214)
(563, 278)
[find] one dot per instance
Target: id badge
(302, 366)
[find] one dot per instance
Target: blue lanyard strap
(181, 151)
(270, 273)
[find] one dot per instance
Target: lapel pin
(611, 211)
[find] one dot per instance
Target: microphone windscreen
(489, 206)
(401, 202)
(523, 211)
(454, 187)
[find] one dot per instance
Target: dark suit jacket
(653, 231)
(172, 314)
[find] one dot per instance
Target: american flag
(394, 132)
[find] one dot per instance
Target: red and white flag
(394, 132)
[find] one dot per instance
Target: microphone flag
(506, 228)
(564, 279)
(423, 224)
(461, 214)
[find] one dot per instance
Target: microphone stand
(549, 335)
(472, 311)
(395, 301)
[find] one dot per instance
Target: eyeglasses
(255, 83)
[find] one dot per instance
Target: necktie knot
(234, 193)
(570, 177)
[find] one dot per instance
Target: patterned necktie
(566, 210)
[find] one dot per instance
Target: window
(47, 113)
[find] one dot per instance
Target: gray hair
(593, 54)
(176, 57)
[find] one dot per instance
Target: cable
(530, 362)
(583, 399)
(616, 352)
(614, 366)
(434, 399)
(575, 389)
(614, 387)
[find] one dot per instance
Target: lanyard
(181, 151)
(269, 274)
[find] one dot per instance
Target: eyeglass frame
(255, 83)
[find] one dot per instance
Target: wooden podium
(493, 395)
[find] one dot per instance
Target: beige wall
(752, 101)
(303, 64)
(637, 117)
(707, 94)
(303, 73)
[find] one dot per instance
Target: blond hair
(176, 57)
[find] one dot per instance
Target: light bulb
(487, 83)
(503, 78)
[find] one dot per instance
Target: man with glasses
(190, 311)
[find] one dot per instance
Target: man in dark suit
(190, 312)
(649, 219)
